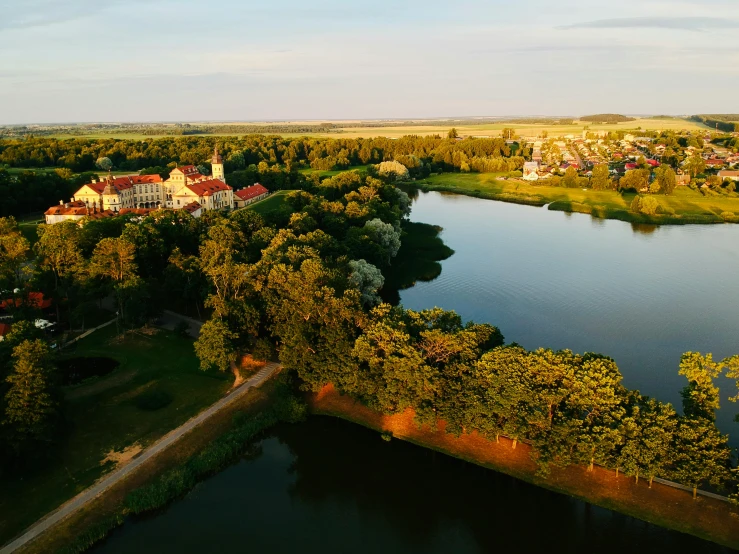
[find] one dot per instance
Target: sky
(240, 60)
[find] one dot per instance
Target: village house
(249, 195)
(729, 174)
(140, 194)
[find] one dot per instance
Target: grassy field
(107, 415)
(690, 206)
(350, 130)
(331, 173)
(271, 205)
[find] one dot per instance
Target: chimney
(66, 205)
(61, 202)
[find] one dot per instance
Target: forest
(728, 123)
(303, 284)
(607, 118)
(270, 160)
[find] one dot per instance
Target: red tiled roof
(70, 208)
(630, 166)
(104, 214)
(251, 192)
(208, 187)
(192, 207)
(653, 163)
(136, 211)
(35, 299)
(4, 329)
(714, 161)
(126, 182)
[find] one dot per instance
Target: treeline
(729, 123)
(33, 191)
(166, 260)
(81, 154)
(308, 301)
(607, 118)
(303, 284)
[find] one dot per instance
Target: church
(184, 189)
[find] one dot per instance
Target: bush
(94, 534)
(730, 217)
(182, 328)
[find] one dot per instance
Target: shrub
(730, 217)
(94, 534)
(182, 328)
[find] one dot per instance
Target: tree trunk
(616, 472)
(651, 478)
(515, 442)
(695, 493)
(496, 437)
(592, 463)
(637, 477)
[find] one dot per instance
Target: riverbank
(706, 518)
(156, 386)
(685, 206)
(173, 471)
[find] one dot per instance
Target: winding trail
(107, 481)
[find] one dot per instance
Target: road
(89, 494)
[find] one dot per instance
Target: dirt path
(114, 477)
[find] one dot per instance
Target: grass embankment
(156, 387)
(689, 206)
(421, 250)
(173, 472)
(706, 518)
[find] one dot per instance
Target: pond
(75, 370)
(328, 486)
(641, 295)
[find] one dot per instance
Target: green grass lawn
(331, 173)
(270, 205)
(690, 206)
(105, 415)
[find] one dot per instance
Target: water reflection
(640, 294)
(329, 486)
(644, 228)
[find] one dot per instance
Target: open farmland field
(354, 129)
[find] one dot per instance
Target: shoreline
(594, 203)
(705, 518)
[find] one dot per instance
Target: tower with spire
(110, 199)
(216, 163)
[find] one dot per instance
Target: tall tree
(601, 179)
(31, 402)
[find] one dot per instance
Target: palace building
(185, 189)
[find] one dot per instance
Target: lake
(328, 486)
(641, 295)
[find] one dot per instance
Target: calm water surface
(549, 279)
(327, 486)
(546, 279)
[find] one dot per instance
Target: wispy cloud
(679, 23)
